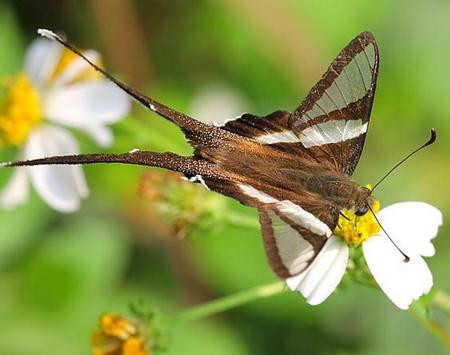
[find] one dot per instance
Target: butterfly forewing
(333, 119)
(267, 129)
(331, 123)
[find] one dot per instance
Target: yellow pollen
(117, 326)
(356, 229)
(135, 346)
(66, 60)
(19, 111)
(118, 336)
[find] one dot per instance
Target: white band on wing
(294, 212)
(279, 137)
(332, 132)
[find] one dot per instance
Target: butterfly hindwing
(292, 235)
(290, 247)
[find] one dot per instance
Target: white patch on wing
(152, 107)
(256, 194)
(292, 211)
(332, 132)
(349, 86)
(279, 137)
(198, 178)
(303, 218)
(135, 150)
(295, 251)
(5, 164)
(370, 52)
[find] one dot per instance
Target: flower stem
(432, 326)
(441, 300)
(229, 302)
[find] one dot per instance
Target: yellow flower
(118, 336)
(356, 229)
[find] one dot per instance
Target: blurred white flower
(56, 89)
(217, 103)
(411, 225)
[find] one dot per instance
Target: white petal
(41, 59)
(62, 187)
(401, 281)
(321, 278)
(17, 190)
(217, 103)
(75, 67)
(89, 103)
(412, 225)
(102, 135)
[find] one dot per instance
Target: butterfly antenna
(343, 215)
(429, 142)
(405, 257)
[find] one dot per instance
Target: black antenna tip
(432, 138)
(406, 259)
(429, 142)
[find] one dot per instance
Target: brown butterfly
(294, 167)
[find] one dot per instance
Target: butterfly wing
(290, 248)
(333, 119)
(329, 127)
(331, 123)
(293, 231)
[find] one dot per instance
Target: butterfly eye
(361, 211)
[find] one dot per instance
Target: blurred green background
(214, 59)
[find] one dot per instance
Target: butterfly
(294, 167)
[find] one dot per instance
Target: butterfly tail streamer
(187, 124)
(186, 165)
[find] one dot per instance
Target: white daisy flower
(216, 103)
(55, 89)
(411, 226)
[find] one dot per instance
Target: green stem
(229, 302)
(432, 326)
(441, 300)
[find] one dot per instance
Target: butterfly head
(363, 201)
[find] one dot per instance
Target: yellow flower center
(20, 107)
(356, 229)
(19, 111)
(118, 336)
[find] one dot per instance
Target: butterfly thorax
(339, 189)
